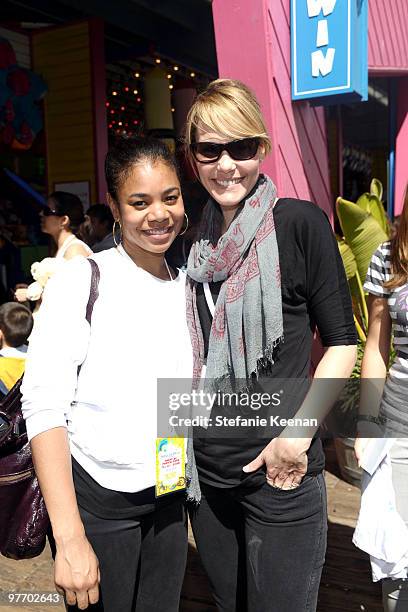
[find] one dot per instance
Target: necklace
(168, 269)
(123, 253)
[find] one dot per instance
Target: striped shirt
(379, 272)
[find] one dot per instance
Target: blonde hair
(229, 108)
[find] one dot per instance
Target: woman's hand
(21, 294)
(77, 571)
(359, 448)
(285, 461)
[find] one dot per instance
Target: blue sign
(329, 50)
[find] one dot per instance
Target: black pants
(263, 549)
(142, 561)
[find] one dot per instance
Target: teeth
(229, 182)
(157, 231)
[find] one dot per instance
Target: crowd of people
(264, 273)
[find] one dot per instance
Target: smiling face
(150, 207)
(227, 180)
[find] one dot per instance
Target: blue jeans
(264, 548)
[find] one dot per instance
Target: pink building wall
(253, 45)
(401, 165)
(387, 37)
(388, 56)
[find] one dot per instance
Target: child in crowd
(16, 323)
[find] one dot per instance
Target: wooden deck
(346, 582)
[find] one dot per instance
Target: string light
(125, 100)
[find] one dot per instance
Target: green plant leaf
(362, 232)
(356, 288)
(372, 204)
(349, 261)
(376, 188)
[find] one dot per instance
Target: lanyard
(209, 298)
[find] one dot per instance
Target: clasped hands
(285, 461)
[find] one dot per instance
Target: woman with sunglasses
(263, 274)
(61, 218)
(89, 397)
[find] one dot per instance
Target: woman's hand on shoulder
(77, 571)
(76, 249)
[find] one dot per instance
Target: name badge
(170, 465)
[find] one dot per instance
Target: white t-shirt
(138, 334)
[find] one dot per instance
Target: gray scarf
(247, 323)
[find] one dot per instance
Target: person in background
(16, 322)
(264, 273)
(61, 218)
(100, 227)
(381, 445)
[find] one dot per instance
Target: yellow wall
(62, 56)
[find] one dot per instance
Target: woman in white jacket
(93, 431)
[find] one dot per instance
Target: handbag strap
(94, 289)
(10, 405)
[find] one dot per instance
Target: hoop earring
(114, 232)
(184, 231)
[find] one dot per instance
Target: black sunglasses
(210, 152)
(46, 211)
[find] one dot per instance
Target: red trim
(391, 71)
(98, 82)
